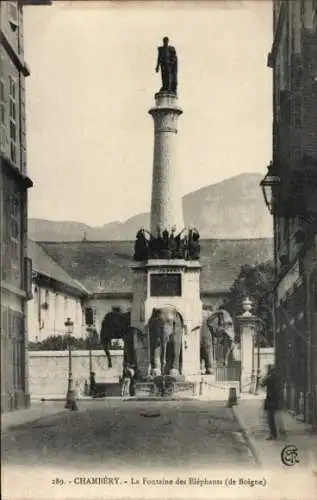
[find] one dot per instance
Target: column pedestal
(182, 278)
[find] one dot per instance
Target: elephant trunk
(106, 347)
(164, 340)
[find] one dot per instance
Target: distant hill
(231, 209)
(106, 265)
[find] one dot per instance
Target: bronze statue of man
(167, 61)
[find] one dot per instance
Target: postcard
(158, 249)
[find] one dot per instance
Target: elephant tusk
(196, 328)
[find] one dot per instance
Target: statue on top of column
(167, 61)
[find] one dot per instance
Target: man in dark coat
(272, 403)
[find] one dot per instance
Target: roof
(105, 266)
(43, 264)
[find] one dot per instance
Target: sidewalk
(252, 418)
(36, 411)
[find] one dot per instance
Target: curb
(133, 398)
(79, 399)
(62, 398)
(158, 398)
(247, 436)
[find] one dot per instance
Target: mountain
(230, 209)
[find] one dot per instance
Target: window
(20, 364)
(11, 269)
(13, 15)
(65, 307)
(302, 10)
(314, 15)
(285, 61)
(116, 309)
(13, 119)
(286, 230)
(90, 316)
(297, 111)
(2, 116)
(28, 277)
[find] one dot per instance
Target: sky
(89, 135)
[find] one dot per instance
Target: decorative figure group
(167, 245)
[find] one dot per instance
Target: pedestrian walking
(273, 402)
(93, 388)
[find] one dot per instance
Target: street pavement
(37, 411)
(300, 435)
(143, 434)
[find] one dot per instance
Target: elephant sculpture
(221, 328)
(116, 325)
(207, 341)
(165, 328)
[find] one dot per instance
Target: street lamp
(269, 185)
(71, 403)
(90, 330)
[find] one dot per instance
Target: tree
(255, 282)
(61, 342)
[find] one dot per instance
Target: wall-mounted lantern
(270, 185)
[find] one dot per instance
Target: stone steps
(104, 389)
(172, 389)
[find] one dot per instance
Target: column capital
(247, 318)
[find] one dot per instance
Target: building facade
(14, 183)
(56, 296)
(293, 58)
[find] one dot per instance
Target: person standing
(272, 402)
(127, 381)
(92, 385)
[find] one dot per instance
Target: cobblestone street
(121, 434)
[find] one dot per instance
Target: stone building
(292, 182)
(14, 183)
(55, 297)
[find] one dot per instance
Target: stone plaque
(166, 285)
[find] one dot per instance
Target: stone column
(166, 204)
(248, 329)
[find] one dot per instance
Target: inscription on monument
(166, 285)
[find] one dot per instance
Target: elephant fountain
(116, 325)
(165, 329)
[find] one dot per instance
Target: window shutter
(13, 14)
(89, 316)
(310, 93)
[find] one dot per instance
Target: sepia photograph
(158, 249)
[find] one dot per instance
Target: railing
(228, 373)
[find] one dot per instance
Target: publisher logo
(289, 455)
